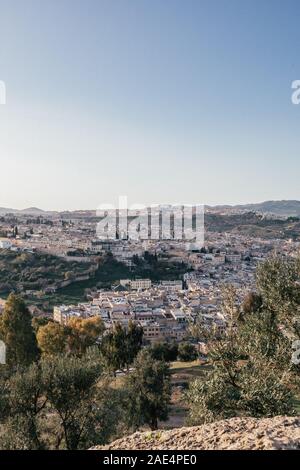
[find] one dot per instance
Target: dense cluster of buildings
(167, 308)
(164, 310)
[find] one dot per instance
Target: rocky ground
(236, 433)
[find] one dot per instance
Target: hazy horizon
(129, 207)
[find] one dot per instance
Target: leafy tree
(52, 338)
(74, 338)
(17, 333)
(18, 434)
(187, 352)
(164, 351)
(149, 391)
(89, 410)
(64, 404)
(257, 391)
(37, 322)
(121, 345)
(22, 402)
(84, 333)
(250, 374)
(133, 342)
(113, 348)
(278, 283)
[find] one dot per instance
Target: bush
(187, 352)
(164, 351)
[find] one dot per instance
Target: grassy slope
(32, 270)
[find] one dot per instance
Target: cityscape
(163, 307)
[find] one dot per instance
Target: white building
(171, 285)
(138, 284)
(233, 257)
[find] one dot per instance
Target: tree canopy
(17, 333)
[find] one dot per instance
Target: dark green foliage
(251, 373)
(17, 333)
(71, 388)
(164, 351)
(149, 391)
(65, 404)
(37, 322)
(23, 400)
(133, 342)
(278, 284)
(187, 352)
(121, 345)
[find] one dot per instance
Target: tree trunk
(154, 424)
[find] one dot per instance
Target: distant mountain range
(30, 211)
(285, 208)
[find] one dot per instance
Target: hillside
(35, 272)
(284, 208)
(254, 225)
(276, 433)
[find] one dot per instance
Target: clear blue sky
(161, 100)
